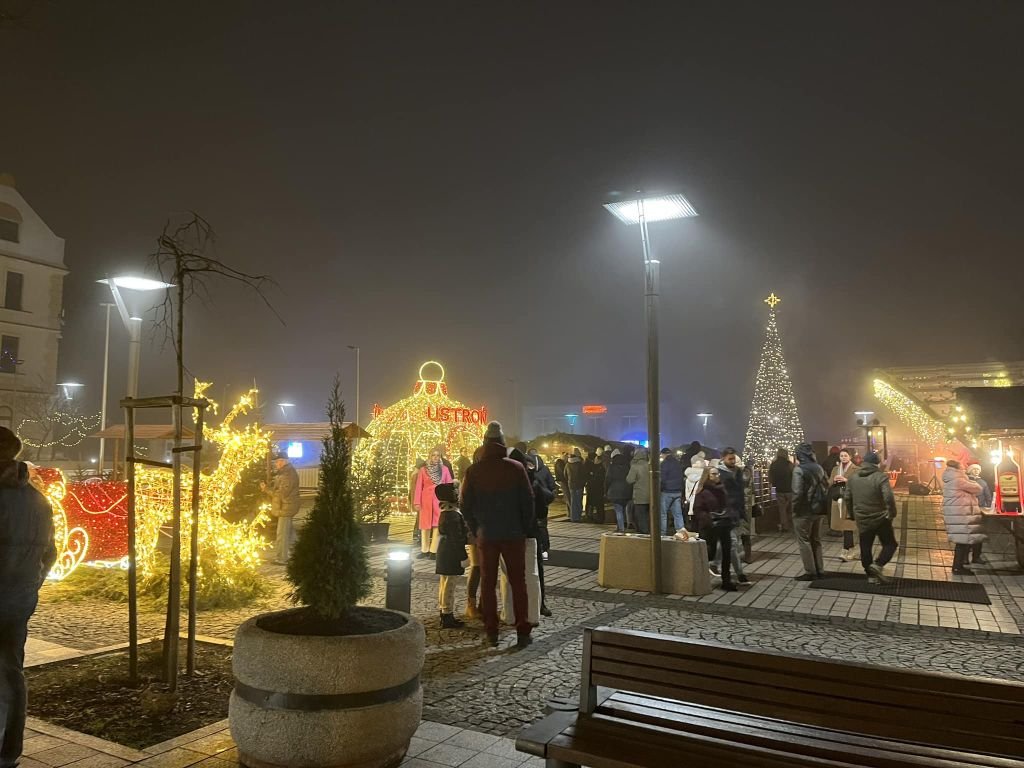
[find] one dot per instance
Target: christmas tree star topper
(772, 300)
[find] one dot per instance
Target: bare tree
(184, 258)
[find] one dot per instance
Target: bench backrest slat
(947, 710)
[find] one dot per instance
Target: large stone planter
(304, 701)
(625, 563)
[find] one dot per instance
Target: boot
(472, 609)
(960, 553)
(448, 621)
(976, 554)
(748, 554)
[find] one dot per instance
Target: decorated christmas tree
(774, 421)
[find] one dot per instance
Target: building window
(9, 230)
(9, 354)
(6, 417)
(12, 290)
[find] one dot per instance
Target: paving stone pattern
(493, 693)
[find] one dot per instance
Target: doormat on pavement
(950, 591)
(568, 558)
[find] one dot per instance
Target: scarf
(434, 471)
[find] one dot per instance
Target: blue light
(295, 450)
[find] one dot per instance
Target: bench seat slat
(813, 682)
(787, 704)
(864, 674)
(647, 708)
(821, 742)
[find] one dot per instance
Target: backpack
(813, 500)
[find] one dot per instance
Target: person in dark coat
(713, 518)
(560, 463)
(832, 459)
(543, 494)
(691, 450)
(618, 490)
(575, 481)
(497, 503)
(672, 483)
(453, 538)
(810, 510)
(595, 473)
(27, 552)
(780, 477)
(462, 464)
(868, 494)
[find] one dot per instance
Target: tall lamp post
(706, 417)
(284, 410)
(642, 211)
(350, 346)
(134, 327)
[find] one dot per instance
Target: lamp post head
(655, 208)
(135, 283)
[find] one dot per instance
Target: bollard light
(399, 581)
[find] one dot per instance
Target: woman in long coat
(426, 504)
(841, 521)
(962, 514)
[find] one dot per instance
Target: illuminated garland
(907, 410)
(409, 429)
(72, 542)
(774, 421)
(98, 509)
(76, 429)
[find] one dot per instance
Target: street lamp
(134, 327)
(69, 388)
(350, 346)
(706, 417)
(642, 211)
(284, 412)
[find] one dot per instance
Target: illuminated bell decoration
(409, 429)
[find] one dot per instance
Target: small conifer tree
(328, 567)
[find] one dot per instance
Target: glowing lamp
(398, 596)
(662, 208)
(135, 283)
(594, 410)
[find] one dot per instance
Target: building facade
(31, 288)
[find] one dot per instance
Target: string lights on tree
(69, 429)
(774, 421)
(90, 517)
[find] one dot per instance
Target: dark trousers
(513, 552)
(720, 536)
(595, 505)
(848, 539)
(642, 517)
(13, 699)
(961, 553)
(885, 535)
(540, 570)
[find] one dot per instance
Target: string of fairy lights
(226, 547)
(907, 410)
(774, 420)
(411, 428)
(69, 429)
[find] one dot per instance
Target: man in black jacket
(780, 477)
(27, 553)
(810, 509)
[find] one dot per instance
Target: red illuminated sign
(460, 415)
(594, 410)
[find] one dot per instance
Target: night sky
(425, 180)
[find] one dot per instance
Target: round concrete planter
(303, 701)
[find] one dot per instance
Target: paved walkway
(485, 696)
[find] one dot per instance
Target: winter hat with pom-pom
(494, 433)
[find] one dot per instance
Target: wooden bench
(651, 701)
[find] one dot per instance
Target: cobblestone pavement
(497, 691)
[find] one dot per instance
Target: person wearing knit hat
(28, 553)
(494, 434)
(453, 538)
(497, 503)
(868, 494)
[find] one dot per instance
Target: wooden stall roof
(316, 430)
(144, 432)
